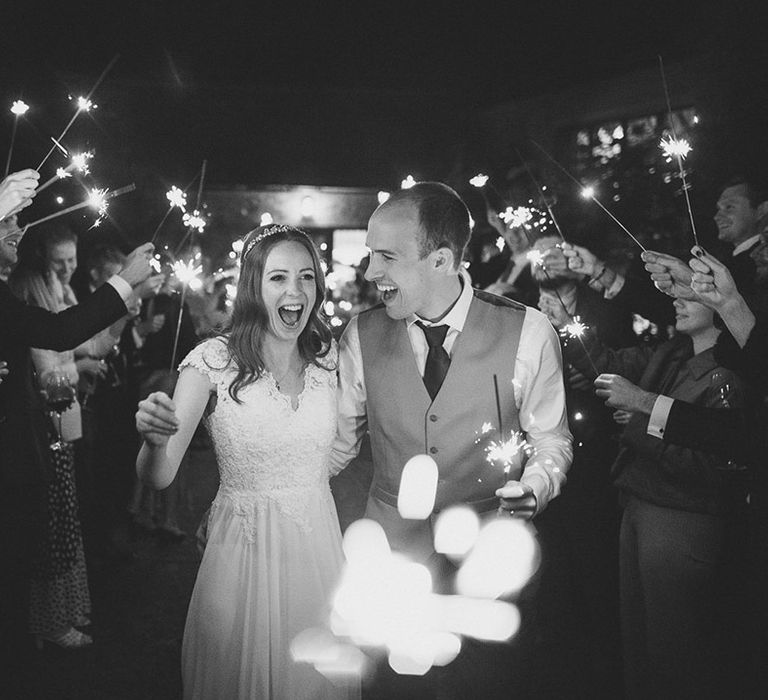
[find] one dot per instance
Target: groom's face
(400, 274)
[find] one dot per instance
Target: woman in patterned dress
(266, 391)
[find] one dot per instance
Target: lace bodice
(267, 451)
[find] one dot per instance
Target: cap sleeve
(211, 358)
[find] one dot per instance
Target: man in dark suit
(23, 436)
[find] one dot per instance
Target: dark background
(335, 93)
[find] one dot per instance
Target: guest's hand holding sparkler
(517, 500)
(620, 393)
(149, 287)
(17, 191)
(669, 274)
(713, 285)
(137, 268)
(156, 419)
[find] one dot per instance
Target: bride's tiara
(269, 230)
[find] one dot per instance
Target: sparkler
(79, 161)
(504, 453)
(92, 200)
(541, 189)
(18, 109)
(84, 104)
(478, 180)
(177, 198)
(515, 217)
(678, 150)
(574, 329)
(186, 273)
(194, 221)
(674, 148)
(589, 193)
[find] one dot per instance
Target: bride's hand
(156, 419)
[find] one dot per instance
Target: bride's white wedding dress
(273, 553)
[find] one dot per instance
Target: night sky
(331, 93)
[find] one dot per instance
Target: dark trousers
(22, 518)
(670, 574)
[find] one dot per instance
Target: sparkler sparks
(674, 148)
(186, 272)
(478, 180)
(19, 108)
(194, 220)
(505, 453)
(63, 173)
(177, 198)
(80, 162)
(97, 199)
(515, 217)
(575, 329)
(588, 192)
(535, 257)
(84, 104)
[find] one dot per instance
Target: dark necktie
(437, 358)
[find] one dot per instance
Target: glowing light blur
(407, 183)
(266, 219)
(456, 531)
(418, 488)
(383, 196)
(535, 257)
(504, 557)
(588, 192)
(194, 220)
(478, 180)
(19, 108)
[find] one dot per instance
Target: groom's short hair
(443, 216)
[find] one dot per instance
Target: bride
(266, 393)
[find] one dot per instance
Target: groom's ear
(442, 260)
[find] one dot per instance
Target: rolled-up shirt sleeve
(542, 410)
(351, 401)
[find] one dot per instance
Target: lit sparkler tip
(515, 217)
(155, 265)
(62, 173)
(194, 220)
(505, 452)
(85, 105)
(575, 329)
(80, 161)
(478, 180)
(177, 198)
(19, 108)
(186, 272)
(535, 257)
(407, 183)
(588, 192)
(675, 148)
(97, 199)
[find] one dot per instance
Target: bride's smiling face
(288, 289)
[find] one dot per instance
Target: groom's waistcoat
(455, 429)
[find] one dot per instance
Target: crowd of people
(646, 389)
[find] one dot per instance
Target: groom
(419, 372)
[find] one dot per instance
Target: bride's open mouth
(290, 314)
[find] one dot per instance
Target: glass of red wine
(59, 395)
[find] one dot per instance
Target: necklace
(283, 377)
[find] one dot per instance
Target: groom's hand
(517, 500)
(156, 418)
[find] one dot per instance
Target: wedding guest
(677, 510)
(24, 458)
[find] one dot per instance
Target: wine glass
(59, 395)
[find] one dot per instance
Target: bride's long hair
(250, 320)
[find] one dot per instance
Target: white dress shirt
(538, 384)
